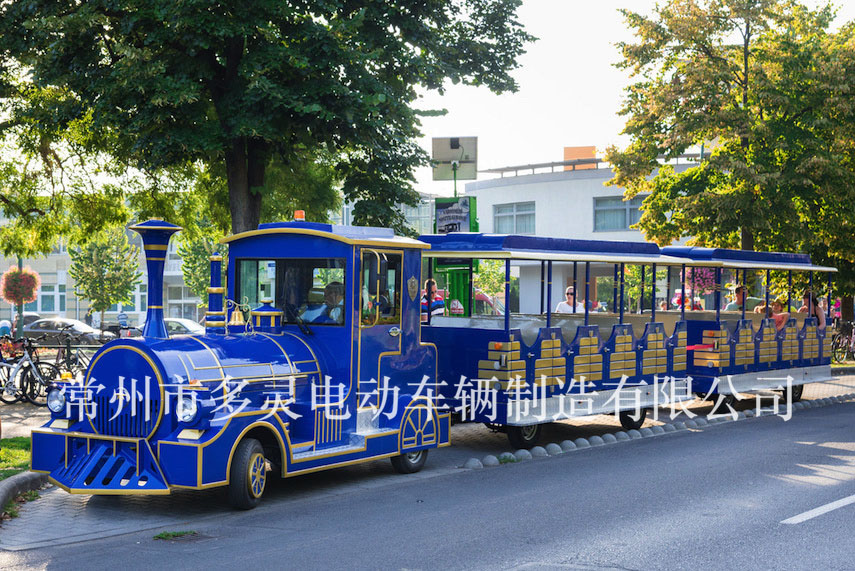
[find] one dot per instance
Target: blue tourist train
(317, 354)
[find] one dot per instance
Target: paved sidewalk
(20, 418)
(61, 518)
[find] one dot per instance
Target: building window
(47, 298)
(516, 218)
(613, 213)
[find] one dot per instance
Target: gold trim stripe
(397, 242)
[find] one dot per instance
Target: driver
(333, 304)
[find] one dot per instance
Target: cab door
(380, 319)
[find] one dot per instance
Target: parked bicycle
(26, 377)
(843, 342)
(72, 359)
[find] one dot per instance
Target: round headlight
(187, 409)
(56, 400)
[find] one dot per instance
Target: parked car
(29, 317)
(178, 326)
(57, 328)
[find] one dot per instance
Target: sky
(569, 90)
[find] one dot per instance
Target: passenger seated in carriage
(811, 305)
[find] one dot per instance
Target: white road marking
(816, 512)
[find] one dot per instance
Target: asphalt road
(713, 498)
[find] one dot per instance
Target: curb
(621, 436)
(12, 487)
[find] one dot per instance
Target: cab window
(307, 290)
(381, 288)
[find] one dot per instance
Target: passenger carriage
(743, 351)
(518, 371)
(312, 359)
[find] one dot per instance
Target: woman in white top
(566, 306)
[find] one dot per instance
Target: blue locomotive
(312, 361)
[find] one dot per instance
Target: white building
(569, 200)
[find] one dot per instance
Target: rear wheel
(409, 462)
(632, 420)
(793, 393)
(37, 380)
(524, 436)
(247, 475)
(724, 404)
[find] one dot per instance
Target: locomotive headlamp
(187, 409)
(56, 400)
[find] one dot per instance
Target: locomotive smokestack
(155, 236)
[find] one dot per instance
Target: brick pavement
(61, 518)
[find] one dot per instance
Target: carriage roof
(747, 259)
(515, 247)
(353, 235)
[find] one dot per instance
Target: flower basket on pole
(19, 286)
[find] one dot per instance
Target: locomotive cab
(311, 359)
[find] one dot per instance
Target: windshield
(307, 290)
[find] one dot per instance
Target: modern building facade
(566, 199)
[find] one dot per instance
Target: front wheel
(247, 475)
(409, 462)
(524, 436)
(632, 420)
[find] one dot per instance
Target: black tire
(409, 462)
(247, 475)
(16, 394)
(36, 390)
(628, 422)
(524, 436)
(793, 394)
(724, 404)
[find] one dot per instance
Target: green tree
(196, 252)
(105, 270)
(767, 87)
(490, 277)
(50, 186)
(237, 84)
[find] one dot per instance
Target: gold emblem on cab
(413, 287)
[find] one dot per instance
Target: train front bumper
(82, 463)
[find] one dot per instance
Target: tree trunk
(101, 326)
(746, 238)
(245, 163)
(847, 308)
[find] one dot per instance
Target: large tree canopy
(238, 83)
(767, 89)
(769, 93)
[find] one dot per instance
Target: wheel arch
(270, 440)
